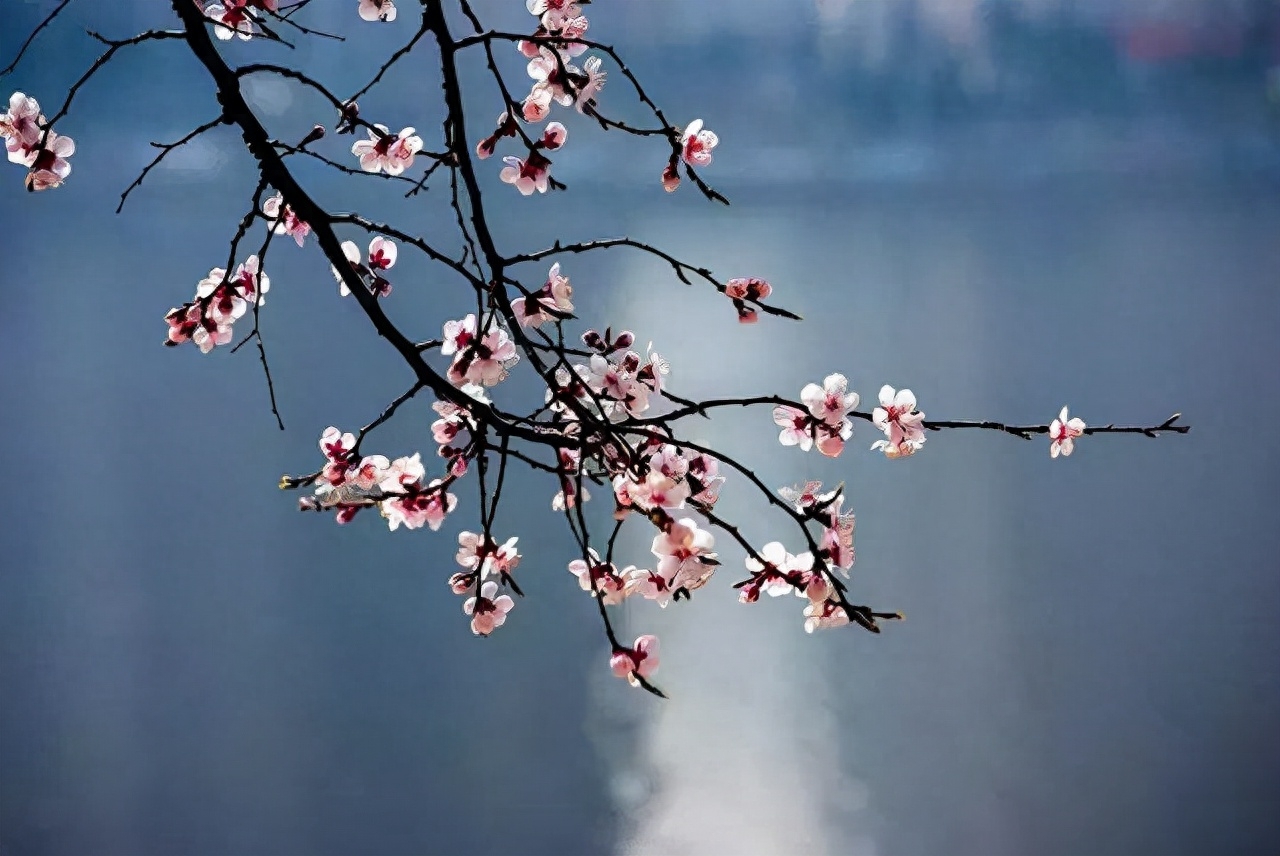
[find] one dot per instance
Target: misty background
(1005, 206)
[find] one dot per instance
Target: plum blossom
(828, 405)
(780, 572)
(21, 127)
(822, 615)
(696, 144)
(488, 610)
(743, 289)
(383, 152)
(837, 537)
(596, 576)
(553, 300)
(336, 448)
(477, 359)
(47, 165)
(477, 552)
(1063, 433)
(284, 220)
(650, 585)
(684, 554)
(797, 427)
(670, 176)
(527, 175)
(637, 662)
(591, 84)
(382, 256)
(231, 18)
(902, 424)
(419, 506)
(377, 10)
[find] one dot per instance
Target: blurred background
(1004, 205)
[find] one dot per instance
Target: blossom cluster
(486, 565)
(482, 352)
(381, 256)
(349, 482)
(220, 300)
(30, 142)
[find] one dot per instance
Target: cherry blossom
(1063, 433)
(898, 419)
(696, 144)
(385, 153)
(284, 220)
(527, 175)
(637, 662)
(378, 10)
(488, 610)
(684, 554)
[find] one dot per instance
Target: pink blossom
(537, 104)
(808, 498)
(600, 577)
(650, 585)
(670, 177)
(382, 254)
(780, 572)
(476, 552)
(1063, 433)
(489, 610)
(830, 402)
(684, 554)
(419, 506)
(21, 126)
(696, 144)
(553, 78)
(902, 424)
(385, 153)
(591, 84)
(231, 18)
(527, 176)
(284, 220)
(377, 10)
(249, 282)
(554, 136)
(837, 537)
(336, 448)
(797, 427)
(478, 359)
(402, 475)
(352, 252)
(371, 470)
(553, 300)
(822, 615)
(638, 661)
(48, 166)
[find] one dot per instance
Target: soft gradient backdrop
(1006, 206)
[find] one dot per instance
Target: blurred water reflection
(1085, 213)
